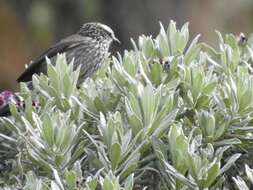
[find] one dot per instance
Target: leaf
(57, 178)
(231, 141)
(67, 88)
(150, 101)
(172, 171)
(197, 85)
(129, 183)
(171, 32)
(185, 32)
(209, 88)
(249, 173)
(156, 73)
(148, 47)
(131, 164)
(71, 179)
(230, 162)
(213, 172)
(207, 122)
(162, 42)
(53, 76)
(245, 100)
(213, 55)
(108, 184)
(240, 183)
(193, 51)
(91, 183)
(48, 130)
(54, 186)
(115, 155)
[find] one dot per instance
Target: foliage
(169, 114)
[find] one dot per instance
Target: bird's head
(98, 31)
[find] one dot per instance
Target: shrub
(169, 114)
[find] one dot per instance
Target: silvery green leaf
(71, 178)
(129, 182)
(193, 51)
(162, 42)
(172, 171)
(115, 155)
(58, 179)
(249, 173)
(230, 162)
(55, 186)
(240, 183)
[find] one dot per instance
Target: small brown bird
(89, 47)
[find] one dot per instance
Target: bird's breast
(89, 56)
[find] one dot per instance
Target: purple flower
(6, 97)
(1, 101)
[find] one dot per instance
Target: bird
(88, 47)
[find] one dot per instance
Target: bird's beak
(116, 39)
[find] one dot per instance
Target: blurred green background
(28, 27)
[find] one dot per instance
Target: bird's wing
(62, 46)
